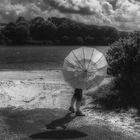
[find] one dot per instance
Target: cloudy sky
(122, 14)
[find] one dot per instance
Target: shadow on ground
(61, 122)
(30, 124)
(59, 134)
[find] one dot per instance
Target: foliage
(89, 40)
(60, 31)
(1, 38)
(124, 64)
(17, 32)
(79, 40)
(9, 31)
(41, 29)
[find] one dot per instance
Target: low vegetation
(57, 31)
(124, 65)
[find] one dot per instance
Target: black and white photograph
(69, 69)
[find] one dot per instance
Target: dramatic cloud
(123, 14)
(11, 9)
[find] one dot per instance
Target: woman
(76, 99)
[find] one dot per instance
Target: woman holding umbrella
(83, 68)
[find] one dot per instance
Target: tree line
(57, 31)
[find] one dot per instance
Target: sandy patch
(31, 90)
(35, 89)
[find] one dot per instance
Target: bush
(123, 59)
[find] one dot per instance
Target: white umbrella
(84, 68)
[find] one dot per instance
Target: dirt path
(54, 124)
(38, 98)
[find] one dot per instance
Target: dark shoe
(79, 113)
(71, 109)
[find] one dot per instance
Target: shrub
(123, 60)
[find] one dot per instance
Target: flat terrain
(35, 58)
(34, 105)
(54, 124)
(34, 101)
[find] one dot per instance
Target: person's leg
(78, 104)
(78, 101)
(73, 99)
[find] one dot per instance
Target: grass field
(35, 58)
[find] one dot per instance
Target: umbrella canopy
(84, 68)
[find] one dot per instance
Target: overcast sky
(123, 14)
